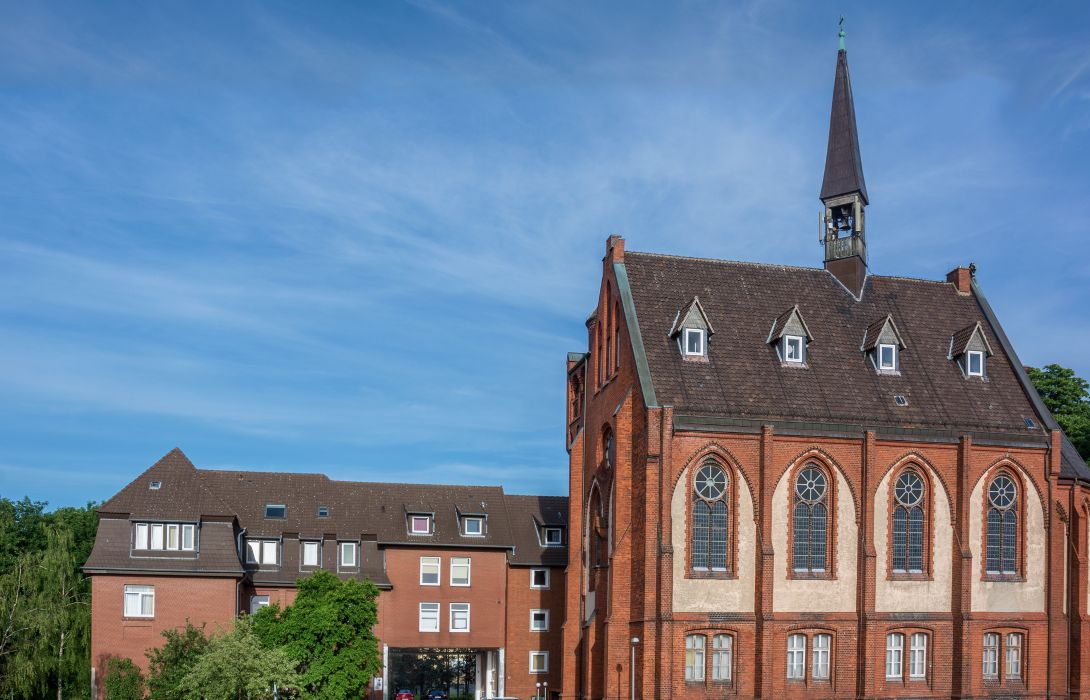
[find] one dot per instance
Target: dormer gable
(883, 344)
(970, 349)
(692, 329)
(791, 337)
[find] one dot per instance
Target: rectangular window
(459, 571)
(420, 524)
(975, 363)
(722, 656)
(173, 537)
(473, 527)
(429, 617)
(895, 649)
(323, 511)
(554, 536)
(694, 657)
(887, 357)
(694, 341)
(270, 552)
(257, 602)
(253, 551)
(348, 554)
(459, 617)
(139, 601)
(917, 664)
(792, 349)
(429, 571)
(539, 620)
(1014, 656)
(140, 538)
(539, 662)
(822, 644)
(539, 578)
(156, 537)
(189, 537)
(796, 657)
(310, 553)
(276, 511)
(991, 655)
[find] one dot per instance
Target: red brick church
(792, 482)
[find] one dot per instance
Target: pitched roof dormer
(883, 344)
(692, 329)
(970, 348)
(791, 336)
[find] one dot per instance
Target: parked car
(404, 694)
(436, 694)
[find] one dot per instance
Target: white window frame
(991, 655)
(895, 655)
(314, 546)
(544, 656)
(1018, 641)
(532, 576)
(969, 363)
(430, 562)
(796, 657)
(433, 610)
(454, 611)
(473, 519)
(461, 562)
(257, 602)
(881, 360)
(141, 536)
(276, 517)
(822, 654)
(257, 551)
(559, 537)
(345, 548)
(412, 524)
(173, 539)
(695, 658)
(545, 620)
(136, 595)
(722, 657)
(189, 531)
(799, 357)
(699, 333)
(157, 536)
(917, 658)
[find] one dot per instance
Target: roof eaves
(643, 369)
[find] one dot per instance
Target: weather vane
(841, 34)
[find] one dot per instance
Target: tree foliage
(170, 663)
(1068, 397)
(328, 633)
(122, 680)
(236, 666)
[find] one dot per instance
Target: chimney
(614, 249)
(961, 278)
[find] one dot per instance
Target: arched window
(1002, 534)
(609, 448)
(909, 499)
(616, 336)
(711, 488)
(811, 520)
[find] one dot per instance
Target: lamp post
(635, 641)
(537, 693)
(545, 689)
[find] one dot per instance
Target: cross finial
(841, 34)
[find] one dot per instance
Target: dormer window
(789, 336)
(970, 348)
(420, 524)
(691, 330)
(473, 527)
(793, 349)
(554, 537)
(887, 357)
(883, 344)
(276, 511)
(975, 363)
(694, 341)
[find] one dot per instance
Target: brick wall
(521, 640)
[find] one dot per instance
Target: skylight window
(900, 400)
(793, 349)
(694, 341)
(155, 485)
(276, 511)
(1029, 423)
(323, 511)
(887, 357)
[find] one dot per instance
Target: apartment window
(991, 655)
(156, 536)
(173, 537)
(265, 552)
(539, 578)
(796, 657)
(539, 662)
(539, 620)
(139, 601)
(1013, 654)
(459, 617)
(793, 349)
(140, 536)
(348, 554)
(459, 571)
(310, 553)
(429, 571)
(189, 537)
(822, 644)
(429, 617)
(722, 656)
(694, 657)
(974, 363)
(257, 602)
(917, 660)
(473, 527)
(276, 511)
(554, 536)
(887, 357)
(895, 649)
(420, 524)
(694, 341)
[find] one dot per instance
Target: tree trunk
(60, 669)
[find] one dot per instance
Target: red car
(404, 695)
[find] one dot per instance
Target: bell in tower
(843, 190)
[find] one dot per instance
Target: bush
(123, 680)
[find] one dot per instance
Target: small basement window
(694, 341)
(887, 357)
(793, 349)
(974, 363)
(277, 511)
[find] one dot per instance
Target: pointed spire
(843, 164)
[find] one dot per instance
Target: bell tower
(843, 190)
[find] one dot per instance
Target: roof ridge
(351, 481)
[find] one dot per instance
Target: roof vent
(900, 400)
(155, 485)
(1029, 423)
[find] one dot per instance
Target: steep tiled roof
(528, 513)
(743, 378)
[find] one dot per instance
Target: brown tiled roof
(959, 342)
(528, 514)
(181, 493)
(743, 378)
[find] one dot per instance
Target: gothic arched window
(811, 520)
(711, 489)
(1002, 526)
(907, 543)
(609, 448)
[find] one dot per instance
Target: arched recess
(1024, 592)
(836, 587)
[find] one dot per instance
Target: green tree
(122, 680)
(329, 632)
(236, 666)
(1068, 397)
(170, 663)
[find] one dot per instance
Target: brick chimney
(961, 278)
(614, 249)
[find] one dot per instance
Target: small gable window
(793, 349)
(277, 511)
(554, 536)
(970, 349)
(883, 344)
(691, 330)
(975, 363)
(694, 341)
(887, 357)
(790, 337)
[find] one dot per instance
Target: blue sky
(359, 238)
